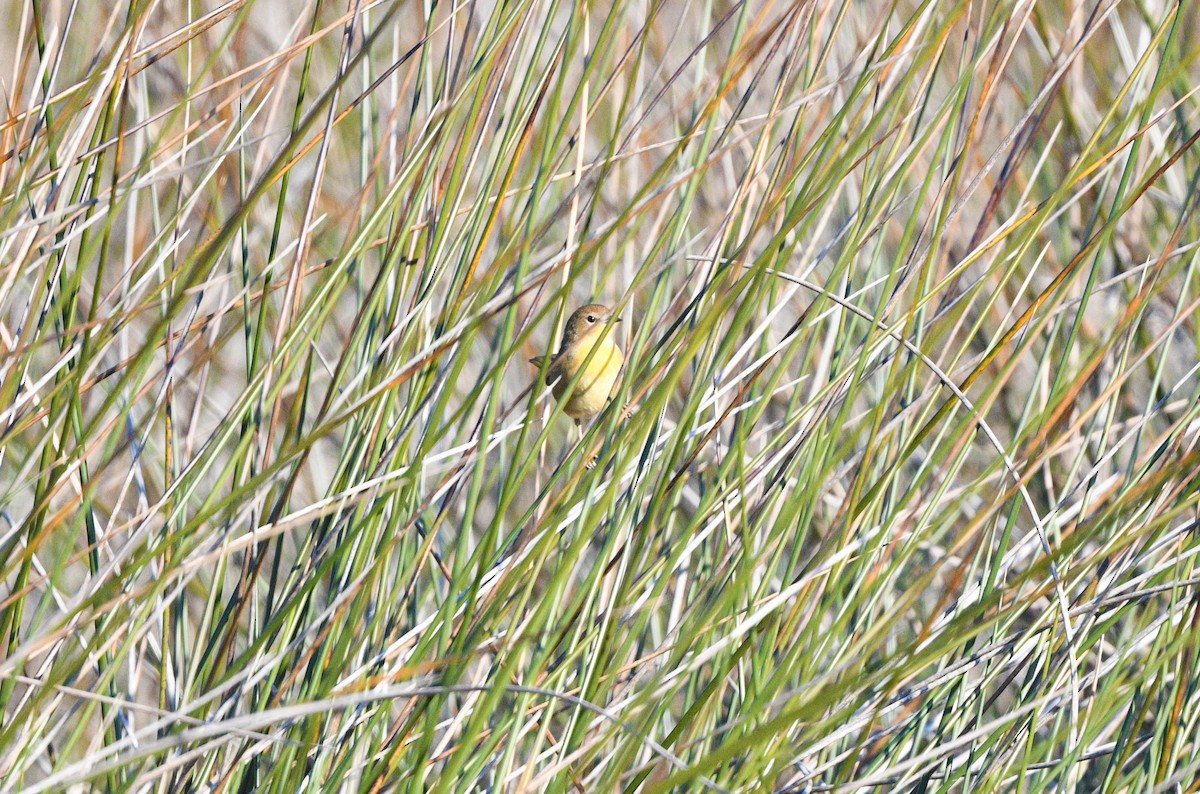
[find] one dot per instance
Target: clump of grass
(898, 491)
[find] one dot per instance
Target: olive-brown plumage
(588, 329)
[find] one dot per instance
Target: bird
(588, 329)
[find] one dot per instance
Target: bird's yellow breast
(595, 385)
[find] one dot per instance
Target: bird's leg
(568, 446)
(591, 461)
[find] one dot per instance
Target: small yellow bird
(587, 329)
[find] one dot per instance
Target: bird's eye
(591, 318)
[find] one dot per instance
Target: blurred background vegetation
(898, 491)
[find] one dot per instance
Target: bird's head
(587, 321)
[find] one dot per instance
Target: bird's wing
(551, 371)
